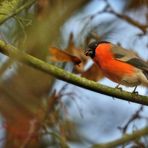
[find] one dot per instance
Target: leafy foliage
(7, 7)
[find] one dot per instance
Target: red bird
(118, 64)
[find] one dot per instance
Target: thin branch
(124, 140)
(108, 9)
(126, 18)
(55, 135)
(135, 116)
(15, 12)
(131, 21)
(61, 74)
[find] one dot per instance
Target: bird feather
(130, 57)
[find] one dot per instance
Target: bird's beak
(88, 52)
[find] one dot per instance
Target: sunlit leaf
(6, 7)
(93, 73)
(78, 52)
(58, 55)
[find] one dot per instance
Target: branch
(125, 139)
(9, 15)
(126, 18)
(135, 116)
(129, 20)
(61, 74)
(108, 9)
(62, 141)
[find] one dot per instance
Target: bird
(118, 64)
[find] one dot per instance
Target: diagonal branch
(125, 139)
(61, 74)
(129, 20)
(126, 18)
(135, 116)
(108, 9)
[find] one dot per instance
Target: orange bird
(118, 64)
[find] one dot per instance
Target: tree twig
(125, 139)
(108, 9)
(61, 74)
(55, 135)
(135, 116)
(126, 18)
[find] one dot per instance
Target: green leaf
(7, 7)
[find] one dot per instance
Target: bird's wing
(129, 57)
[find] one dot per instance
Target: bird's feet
(118, 87)
(134, 91)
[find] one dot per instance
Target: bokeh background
(37, 110)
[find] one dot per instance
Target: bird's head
(91, 49)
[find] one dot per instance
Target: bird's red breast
(111, 67)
